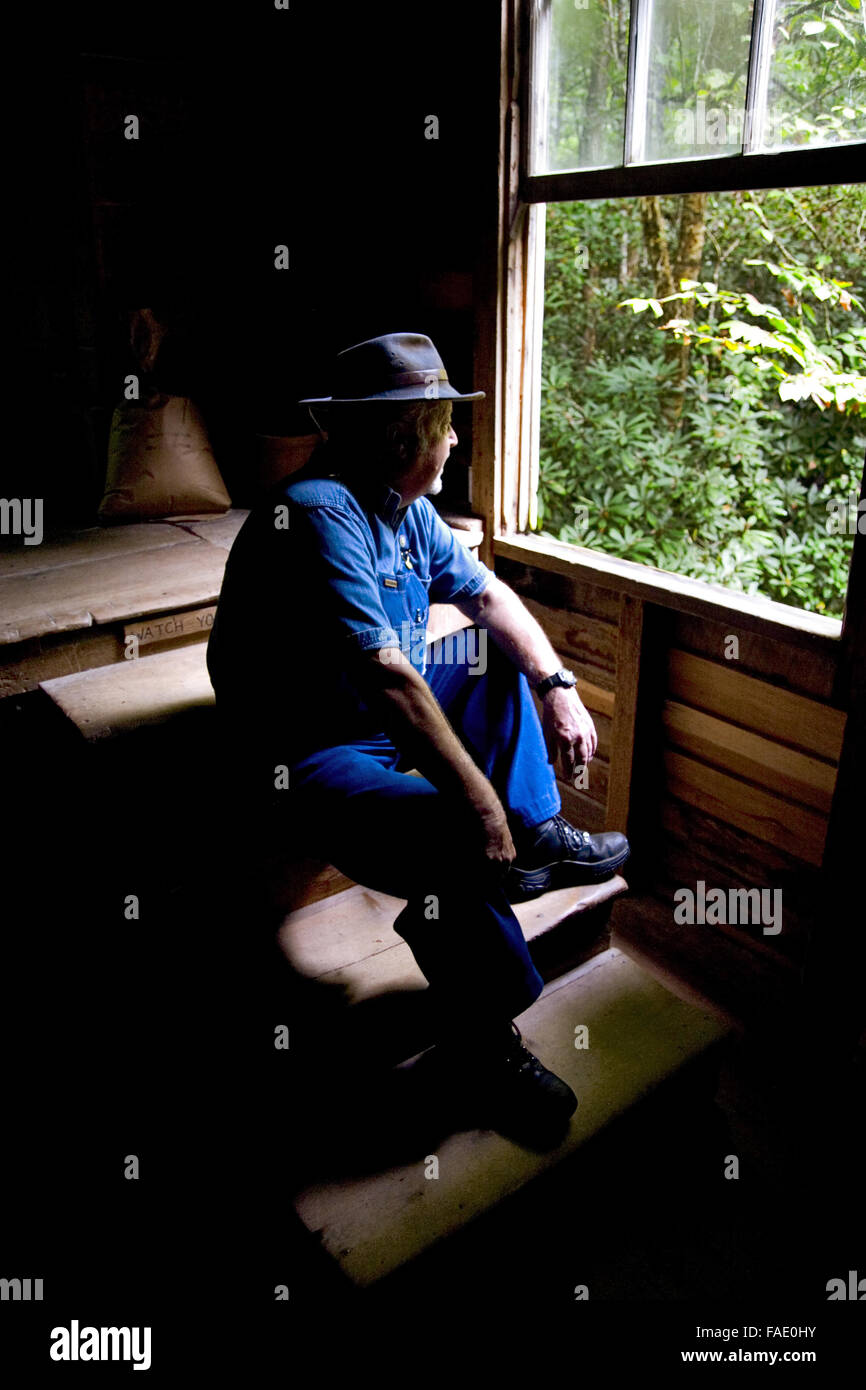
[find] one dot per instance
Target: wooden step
(640, 1036)
(347, 945)
(115, 700)
(116, 588)
(69, 604)
(109, 701)
(172, 688)
(349, 939)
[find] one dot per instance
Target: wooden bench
(69, 604)
(72, 603)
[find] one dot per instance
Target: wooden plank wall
(751, 751)
(735, 755)
(583, 622)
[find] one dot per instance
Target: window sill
(669, 590)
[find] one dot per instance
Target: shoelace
(572, 838)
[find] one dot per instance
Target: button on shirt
(322, 571)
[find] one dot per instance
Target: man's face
(437, 457)
(424, 477)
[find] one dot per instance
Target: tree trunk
(656, 244)
(686, 266)
(590, 309)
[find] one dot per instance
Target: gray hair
(393, 432)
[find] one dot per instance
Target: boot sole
(530, 883)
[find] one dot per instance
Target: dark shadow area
(645, 1213)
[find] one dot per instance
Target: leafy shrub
(738, 492)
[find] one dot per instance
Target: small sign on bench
(166, 627)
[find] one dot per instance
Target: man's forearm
(514, 629)
(414, 720)
(569, 731)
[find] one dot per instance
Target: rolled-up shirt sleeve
(336, 558)
(455, 573)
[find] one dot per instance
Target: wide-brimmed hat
(395, 367)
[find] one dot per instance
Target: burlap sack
(160, 463)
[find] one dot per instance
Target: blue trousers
(400, 835)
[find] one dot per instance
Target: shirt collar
(383, 501)
(390, 507)
(379, 497)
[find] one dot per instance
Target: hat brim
(445, 392)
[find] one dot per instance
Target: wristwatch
(563, 678)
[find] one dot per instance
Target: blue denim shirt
(319, 572)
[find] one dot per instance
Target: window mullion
(637, 84)
(528, 481)
(760, 55)
(536, 114)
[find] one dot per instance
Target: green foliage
(822, 376)
(772, 429)
(816, 87)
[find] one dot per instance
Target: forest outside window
(701, 393)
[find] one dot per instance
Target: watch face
(565, 679)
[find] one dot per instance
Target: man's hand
(498, 845)
(569, 732)
(416, 723)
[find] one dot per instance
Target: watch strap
(566, 679)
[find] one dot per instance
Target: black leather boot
(495, 1082)
(522, 1097)
(556, 855)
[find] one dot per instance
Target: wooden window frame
(508, 341)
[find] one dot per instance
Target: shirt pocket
(418, 604)
(393, 593)
(406, 602)
(418, 598)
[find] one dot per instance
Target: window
(748, 104)
(615, 84)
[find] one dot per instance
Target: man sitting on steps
(319, 665)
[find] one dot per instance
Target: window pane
(582, 80)
(698, 67)
(728, 445)
(817, 92)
